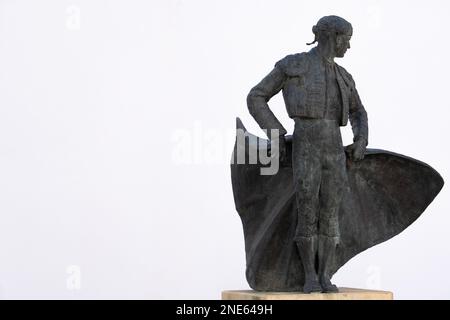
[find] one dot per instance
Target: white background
(116, 128)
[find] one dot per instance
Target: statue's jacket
(302, 79)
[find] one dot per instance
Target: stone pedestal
(343, 294)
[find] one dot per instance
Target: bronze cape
(386, 193)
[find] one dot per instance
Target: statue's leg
(307, 171)
(327, 249)
(307, 250)
(331, 191)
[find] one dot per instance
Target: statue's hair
(328, 25)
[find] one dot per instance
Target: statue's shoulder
(346, 75)
(294, 64)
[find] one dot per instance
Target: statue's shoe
(328, 287)
(312, 286)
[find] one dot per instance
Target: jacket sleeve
(358, 117)
(259, 96)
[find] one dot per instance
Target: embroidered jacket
(301, 77)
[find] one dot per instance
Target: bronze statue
(326, 203)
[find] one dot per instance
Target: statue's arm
(358, 119)
(259, 96)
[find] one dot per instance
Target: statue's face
(342, 44)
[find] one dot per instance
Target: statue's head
(335, 32)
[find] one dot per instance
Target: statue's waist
(307, 120)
